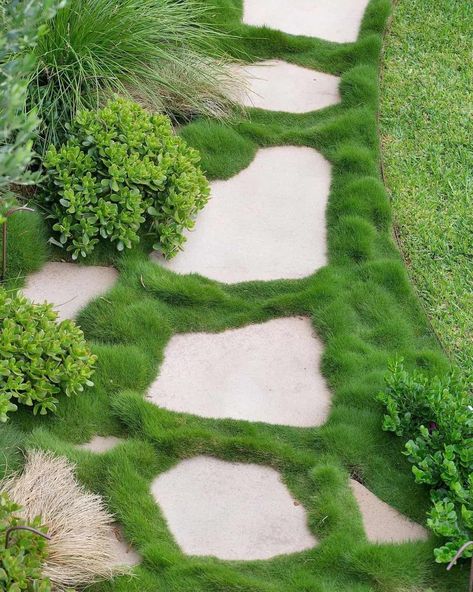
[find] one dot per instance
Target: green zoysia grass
(362, 307)
(427, 94)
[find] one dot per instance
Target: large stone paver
(123, 553)
(278, 86)
(231, 510)
(382, 523)
(266, 223)
(334, 20)
(268, 372)
(68, 287)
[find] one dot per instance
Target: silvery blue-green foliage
(22, 24)
(122, 167)
(437, 415)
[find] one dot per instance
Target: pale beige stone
(278, 86)
(334, 20)
(100, 444)
(382, 523)
(231, 510)
(68, 286)
(268, 372)
(265, 223)
(123, 553)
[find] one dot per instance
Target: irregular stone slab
(100, 444)
(231, 510)
(334, 20)
(278, 86)
(382, 523)
(123, 553)
(268, 372)
(266, 223)
(68, 286)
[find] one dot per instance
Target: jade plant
(21, 561)
(121, 172)
(436, 416)
(40, 360)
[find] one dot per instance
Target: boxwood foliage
(437, 415)
(20, 564)
(120, 168)
(40, 360)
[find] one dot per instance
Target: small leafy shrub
(437, 417)
(40, 360)
(122, 167)
(20, 564)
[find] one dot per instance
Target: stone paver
(382, 523)
(231, 510)
(278, 86)
(123, 553)
(68, 286)
(100, 444)
(265, 223)
(268, 372)
(334, 20)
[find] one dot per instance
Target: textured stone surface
(265, 223)
(334, 20)
(100, 444)
(278, 86)
(68, 286)
(267, 372)
(231, 510)
(382, 523)
(123, 552)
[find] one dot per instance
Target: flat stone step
(275, 85)
(334, 20)
(123, 553)
(68, 286)
(265, 223)
(268, 372)
(382, 523)
(100, 444)
(232, 511)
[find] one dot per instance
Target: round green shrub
(40, 360)
(120, 168)
(21, 563)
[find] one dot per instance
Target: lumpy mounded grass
(361, 306)
(426, 102)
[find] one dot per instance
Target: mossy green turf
(361, 306)
(427, 94)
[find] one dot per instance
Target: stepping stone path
(100, 444)
(334, 20)
(231, 510)
(267, 372)
(278, 86)
(382, 523)
(68, 286)
(265, 223)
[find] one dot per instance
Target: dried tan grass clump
(80, 551)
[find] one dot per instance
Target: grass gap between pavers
(361, 306)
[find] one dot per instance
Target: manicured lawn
(362, 307)
(426, 101)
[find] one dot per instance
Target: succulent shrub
(122, 167)
(40, 360)
(437, 417)
(21, 563)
